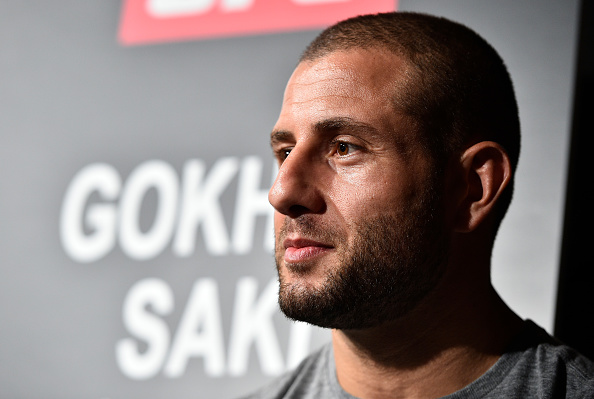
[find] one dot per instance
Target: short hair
(459, 91)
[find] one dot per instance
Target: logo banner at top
(153, 21)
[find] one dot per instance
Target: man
(397, 142)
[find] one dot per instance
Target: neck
(449, 340)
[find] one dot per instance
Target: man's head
(458, 89)
(377, 114)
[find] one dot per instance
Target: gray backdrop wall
(135, 232)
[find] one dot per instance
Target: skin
(345, 155)
(337, 174)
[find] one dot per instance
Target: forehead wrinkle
(319, 87)
(343, 123)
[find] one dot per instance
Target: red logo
(152, 21)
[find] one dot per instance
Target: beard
(394, 261)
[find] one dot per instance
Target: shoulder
(561, 367)
(552, 356)
(308, 380)
(537, 365)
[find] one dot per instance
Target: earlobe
(487, 172)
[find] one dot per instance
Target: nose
(297, 189)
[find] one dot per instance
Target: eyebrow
(280, 136)
(343, 123)
(325, 126)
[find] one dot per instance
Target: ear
(487, 171)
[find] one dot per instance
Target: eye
(283, 153)
(343, 149)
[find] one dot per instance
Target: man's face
(358, 218)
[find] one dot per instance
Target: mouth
(298, 250)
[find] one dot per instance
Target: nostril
(297, 210)
(295, 190)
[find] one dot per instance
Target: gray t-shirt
(534, 366)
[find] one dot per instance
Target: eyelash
(283, 153)
(348, 146)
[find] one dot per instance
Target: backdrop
(135, 230)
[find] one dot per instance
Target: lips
(300, 249)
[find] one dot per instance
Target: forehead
(366, 74)
(356, 84)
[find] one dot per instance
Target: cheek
(367, 186)
(362, 200)
(371, 192)
(279, 219)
